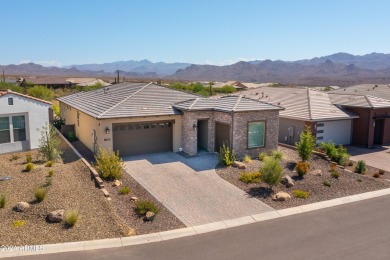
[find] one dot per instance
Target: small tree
(41, 92)
(108, 164)
(49, 144)
(226, 155)
(306, 144)
(271, 171)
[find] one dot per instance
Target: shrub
(250, 177)
(28, 158)
(337, 154)
(49, 144)
(41, 92)
(350, 163)
(300, 194)
(302, 168)
(226, 155)
(124, 190)
(108, 164)
(71, 136)
(326, 183)
(51, 173)
(143, 206)
(344, 159)
(381, 172)
(56, 110)
(333, 166)
(3, 200)
(14, 157)
(71, 218)
(306, 144)
(271, 171)
(376, 175)
(277, 154)
(361, 167)
(335, 174)
(49, 164)
(29, 167)
(262, 156)
(18, 223)
(40, 194)
(247, 159)
(58, 122)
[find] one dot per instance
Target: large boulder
(149, 216)
(281, 196)
(287, 181)
(56, 216)
(239, 165)
(21, 206)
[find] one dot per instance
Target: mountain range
(335, 69)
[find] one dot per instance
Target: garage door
(142, 138)
(338, 132)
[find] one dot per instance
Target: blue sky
(64, 32)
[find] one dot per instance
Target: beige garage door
(142, 138)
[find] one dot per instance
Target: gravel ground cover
(347, 184)
(71, 188)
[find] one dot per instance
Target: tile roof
(4, 92)
(300, 103)
(356, 100)
(127, 100)
(226, 104)
(379, 91)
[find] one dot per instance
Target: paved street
(378, 157)
(356, 231)
(191, 189)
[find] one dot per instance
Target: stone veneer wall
(240, 132)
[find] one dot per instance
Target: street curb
(190, 231)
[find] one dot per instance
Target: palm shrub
(306, 144)
(361, 167)
(108, 164)
(49, 144)
(143, 206)
(302, 168)
(226, 155)
(271, 171)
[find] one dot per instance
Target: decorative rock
(281, 196)
(21, 206)
(5, 178)
(149, 216)
(317, 173)
(117, 183)
(133, 198)
(56, 216)
(239, 165)
(287, 181)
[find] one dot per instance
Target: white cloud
(230, 61)
(46, 63)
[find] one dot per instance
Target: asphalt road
(359, 230)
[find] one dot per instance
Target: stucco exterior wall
(290, 136)
(36, 115)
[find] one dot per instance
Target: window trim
(11, 127)
(265, 134)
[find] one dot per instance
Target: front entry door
(222, 135)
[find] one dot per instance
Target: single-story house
(49, 82)
(85, 82)
(21, 120)
(139, 118)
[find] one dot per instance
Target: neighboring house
(84, 82)
(147, 118)
(50, 82)
(21, 120)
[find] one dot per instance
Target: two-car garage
(143, 137)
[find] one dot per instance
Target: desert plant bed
(370, 170)
(69, 188)
(348, 183)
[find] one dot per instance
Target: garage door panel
(338, 132)
(142, 138)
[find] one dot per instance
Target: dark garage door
(142, 138)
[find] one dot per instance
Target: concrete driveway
(191, 189)
(378, 157)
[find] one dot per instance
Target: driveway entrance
(191, 189)
(378, 157)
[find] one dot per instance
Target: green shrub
(18, 223)
(335, 174)
(124, 190)
(250, 177)
(40, 194)
(3, 201)
(376, 175)
(56, 110)
(300, 194)
(262, 156)
(247, 159)
(29, 167)
(306, 144)
(226, 155)
(326, 183)
(14, 157)
(28, 157)
(58, 122)
(108, 164)
(51, 173)
(302, 168)
(49, 164)
(71, 217)
(143, 206)
(381, 172)
(277, 154)
(361, 167)
(71, 136)
(344, 159)
(271, 171)
(337, 154)
(49, 144)
(41, 92)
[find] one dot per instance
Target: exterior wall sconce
(107, 130)
(195, 125)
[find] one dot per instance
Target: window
(10, 101)
(320, 131)
(256, 134)
(320, 125)
(19, 128)
(5, 136)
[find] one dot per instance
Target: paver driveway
(191, 189)
(378, 157)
